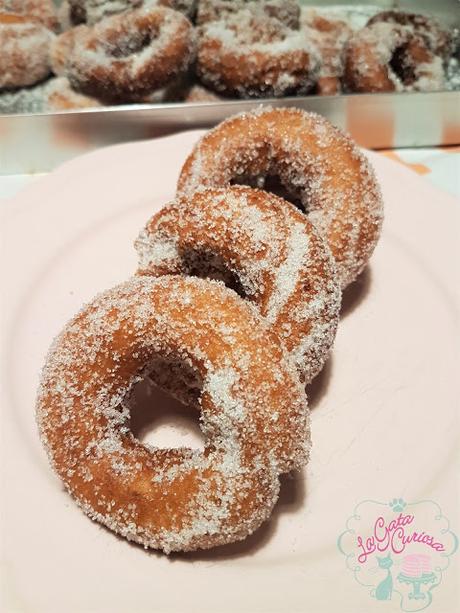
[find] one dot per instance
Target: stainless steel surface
(35, 143)
(40, 142)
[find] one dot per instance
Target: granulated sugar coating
(315, 162)
(92, 11)
(373, 63)
(429, 29)
(253, 413)
(330, 36)
(24, 51)
(280, 262)
(132, 53)
(286, 11)
(251, 54)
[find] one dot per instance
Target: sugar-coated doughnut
(436, 38)
(330, 36)
(24, 56)
(255, 423)
(37, 11)
(287, 11)
(131, 54)
(249, 54)
(316, 163)
(279, 261)
(387, 57)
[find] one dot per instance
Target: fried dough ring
(314, 161)
(255, 423)
(131, 54)
(436, 38)
(251, 54)
(280, 262)
(386, 57)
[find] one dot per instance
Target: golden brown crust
(316, 162)
(438, 40)
(131, 54)
(387, 57)
(255, 424)
(251, 54)
(280, 263)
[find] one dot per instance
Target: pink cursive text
(394, 536)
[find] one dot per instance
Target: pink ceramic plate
(383, 410)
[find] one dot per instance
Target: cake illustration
(416, 565)
(416, 571)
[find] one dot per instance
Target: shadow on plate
(291, 499)
(317, 389)
(356, 292)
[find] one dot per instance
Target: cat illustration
(384, 589)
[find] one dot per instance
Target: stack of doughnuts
(109, 52)
(152, 51)
(233, 309)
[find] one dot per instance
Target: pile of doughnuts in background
(101, 52)
(233, 309)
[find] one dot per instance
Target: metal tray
(37, 143)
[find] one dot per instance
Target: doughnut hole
(122, 45)
(161, 411)
(406, 58)
(274, 184)
(208, 265)
(402, 66)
